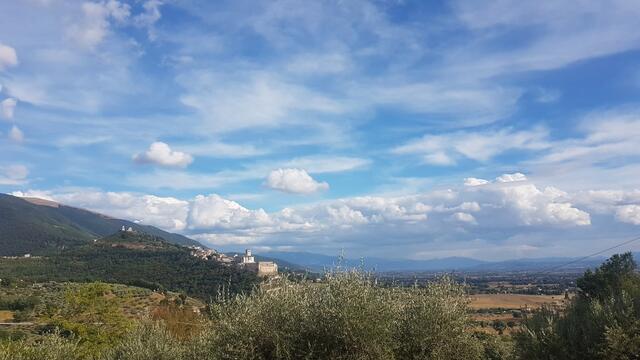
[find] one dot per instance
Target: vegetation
(133, 259)
(601, 322)
(26, 227)
(348, 316)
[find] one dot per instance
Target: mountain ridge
(320, 262)
(42, 227)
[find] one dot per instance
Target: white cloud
(161, 154)
(629, 214)
(534, 206)
(566, 33)
(8, 57)
(488, 214)
(480, 146)
(15, 134)
(7, 108)
(231, 103)
(464, 217)
(511, 177)
(13, 174)
(295, 181)
(94, 26)
(602, 152)
(624, 204)
(250, 171)
(475, 181)
(215, 212)
(149, 17)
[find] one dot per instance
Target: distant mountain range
(38, 226)
(318, 262)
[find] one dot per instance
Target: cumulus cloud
(526, 204)
(16, 135)
(8, 56)
(7, 108)
(511, 177)
(214, 212)
(492, 212)
(624, 204)
(629, 214)
(13, 174)
(161, 154)
(464, 217)
(296, 181)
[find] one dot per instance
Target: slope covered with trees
(134, 259)
(26, 227)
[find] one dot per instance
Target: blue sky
(408, 129)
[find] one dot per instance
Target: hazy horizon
(392, 129)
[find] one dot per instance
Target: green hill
(137, 259)
(46, 227)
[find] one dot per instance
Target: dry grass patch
(513, 301)
(6, 315)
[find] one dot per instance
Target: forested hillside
(26, 227)
(133, 259)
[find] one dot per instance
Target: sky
(404, 129)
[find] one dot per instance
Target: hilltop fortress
(262, 268)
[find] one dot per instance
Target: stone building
(262, 268)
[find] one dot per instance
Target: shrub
(601, 322)
(346, 317)
(48, 347)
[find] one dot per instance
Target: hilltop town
(246, 261)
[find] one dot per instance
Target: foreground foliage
(602, 321)
(348, 316)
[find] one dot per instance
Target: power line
(591, 255)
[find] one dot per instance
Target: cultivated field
(513, 301)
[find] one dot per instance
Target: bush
(49, 347)
(348, 316)
(601, 322)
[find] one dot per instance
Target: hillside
(133, 259)
(40, 227)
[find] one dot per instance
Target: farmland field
(513, 301)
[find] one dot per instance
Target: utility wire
(590, 255)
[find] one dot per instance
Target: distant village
(246, 261)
